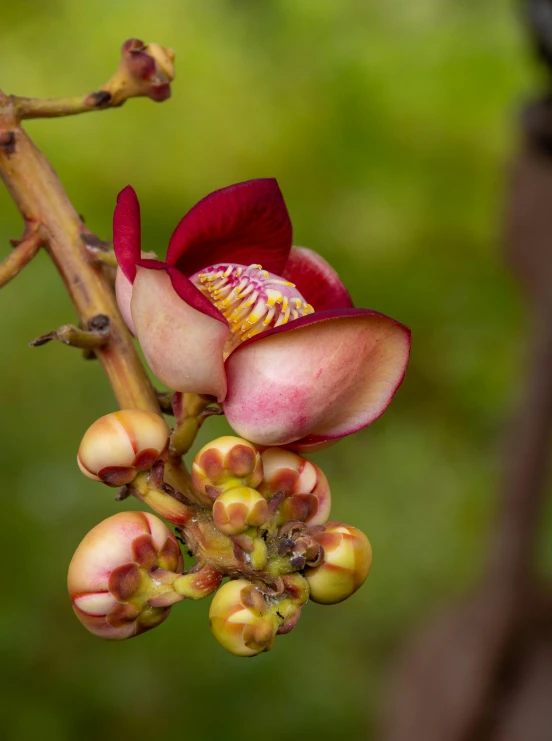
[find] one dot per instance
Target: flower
(280, 346)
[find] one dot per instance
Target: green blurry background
(389, 126)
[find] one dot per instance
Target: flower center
(251, 299)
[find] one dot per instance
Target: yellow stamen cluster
(251, 299)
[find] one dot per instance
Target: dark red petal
(192, 295)
(146, 262)
(245, 223)
(184, 288)
(126, 231)
(316, 280)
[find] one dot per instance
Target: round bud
(224, 463)
(120, 578)
(303, 484)
(239, 508)
(240, 620)
(346, 564)
(116, 447)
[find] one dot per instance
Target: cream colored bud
(225, 463)
(120, 578)
(346, 564)
(239, 508)
(240, 620)
(303, 484)
(119, 445)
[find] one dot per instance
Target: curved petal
(316, 280)
(126, 231)
(183, 345)
(192, 296)
(123, 291)
(245, 223)
(318, 378)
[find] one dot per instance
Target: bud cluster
(258, 517)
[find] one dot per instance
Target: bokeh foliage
(389, 126)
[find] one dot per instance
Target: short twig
(95, 336)
(24, 251)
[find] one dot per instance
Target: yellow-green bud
(224, 463)
(240, 620)
(346, 564)
(239, 508)
(119, 445)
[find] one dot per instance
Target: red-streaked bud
(288, 608)
(304, 485)
(119, 445)
(346, 564)
(225, 463)
(199, 582)
(121, 577)
(239, 508)
(240, 619)
(147, 69)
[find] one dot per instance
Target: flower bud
(346, 564)
(240, 620)
(116, 447)
(120, 578)
(288, 608)
(303, 484)
(225, 463)
(239, 508)
(146, 69)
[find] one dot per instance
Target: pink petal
(182, 344)
(123, 291)
(245, 223)
(126, 231)
(318, 378)
(316, 280)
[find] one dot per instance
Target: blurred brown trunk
(482, 670)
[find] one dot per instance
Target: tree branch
(40, 197)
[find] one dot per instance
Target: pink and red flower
(280, 346)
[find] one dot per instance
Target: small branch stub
(100, 251)
(95, 336)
